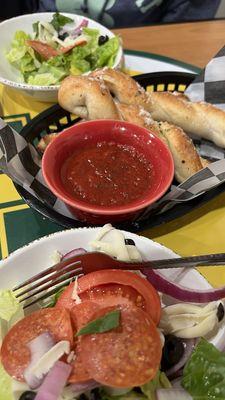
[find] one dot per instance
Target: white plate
(143, 62)
(36, 256)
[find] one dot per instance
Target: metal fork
(49, 281)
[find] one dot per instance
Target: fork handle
(187, 262)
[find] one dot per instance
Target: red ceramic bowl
(120, 132)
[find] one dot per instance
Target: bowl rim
(52, 88)
(100, 210)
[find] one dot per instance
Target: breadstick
(83, 96)
(186, 159)
(201, 119)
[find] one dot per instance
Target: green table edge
(168, 60)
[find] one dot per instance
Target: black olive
(83, 397)
(28, 395)
(130, 242)
(173, 350)
(95, 394)
(102, 39)
(63, 36)
(220, 312)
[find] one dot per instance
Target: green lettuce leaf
(9, 305)
(106, 53)
(105, 394)
(10, 312)
(204, 373)
(159, 382)
(59, 20)
(47, 75)
(21, 55)
(5, 385)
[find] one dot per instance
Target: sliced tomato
(127, 356)
(81, 42)
(112, 287)
(43, 49)
(15, 354)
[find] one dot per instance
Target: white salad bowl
(10, 76)
(33, 258)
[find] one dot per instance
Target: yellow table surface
(200, 231)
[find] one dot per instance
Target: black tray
(55, 119)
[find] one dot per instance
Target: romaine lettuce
(106, 53)
(204, 373)
(159, 382)
(10, 312)
(5, 385)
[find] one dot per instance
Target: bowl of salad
(108, 335)
(39, 50)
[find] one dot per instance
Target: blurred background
(123, 13)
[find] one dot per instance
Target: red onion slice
(172, 394)
(38, 347)
(75, 32)
(182, 293)
(54, 382)
(189, 346)
(74, 252)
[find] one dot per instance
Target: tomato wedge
(112, 287)
(43, 49)
(15, 355)
(126, 356)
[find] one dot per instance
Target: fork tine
(48, 294)
(53, 276)
(48, 271)
(66, 276)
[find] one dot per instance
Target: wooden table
(194, 43)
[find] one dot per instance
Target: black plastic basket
(55, 119)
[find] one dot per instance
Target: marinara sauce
(107, 174)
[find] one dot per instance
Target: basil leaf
(59, 20)
(204, 373)
(103, 324)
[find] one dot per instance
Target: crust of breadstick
(202, 119)
(124, 88)
(84, 96)
(186, 159)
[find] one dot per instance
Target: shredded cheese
(75, 295)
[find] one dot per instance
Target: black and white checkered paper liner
(22, 163)
(209, 85)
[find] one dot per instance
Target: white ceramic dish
(33, 258)
(11, 76)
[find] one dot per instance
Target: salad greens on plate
(58, 48)
(106, 326)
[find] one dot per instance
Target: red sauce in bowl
(107, 174)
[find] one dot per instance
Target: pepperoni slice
(43, 49)
(79, 372)
(127, 356)
(81, 314)
(15, 354)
